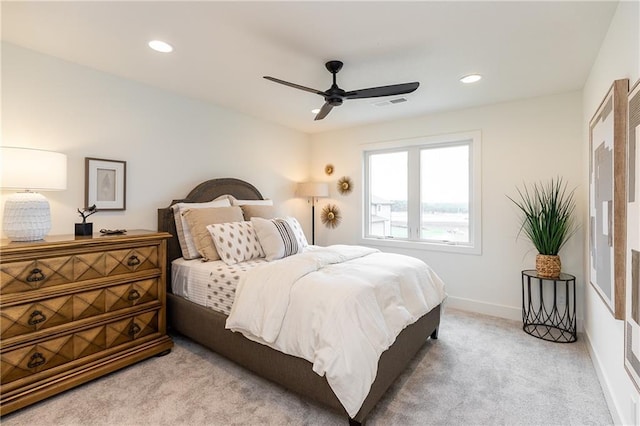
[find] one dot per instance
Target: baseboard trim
(492, 309)
(604, 383)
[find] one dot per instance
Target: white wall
(170, 142)
(619, 57)
(523, 141)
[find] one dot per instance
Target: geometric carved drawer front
(127, 295)
(23, 319)
(125, 331)
(20, 363)
(33, 359)
(16, 277)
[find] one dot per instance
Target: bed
(291, 372)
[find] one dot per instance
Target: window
(424, 193)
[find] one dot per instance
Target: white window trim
(475, 202)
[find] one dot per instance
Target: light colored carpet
(481, 371)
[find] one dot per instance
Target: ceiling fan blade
(374, 92)
(295, 86)
(324, 111)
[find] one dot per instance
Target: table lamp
(27, 216)
(313, 190)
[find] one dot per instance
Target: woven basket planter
(548, 266)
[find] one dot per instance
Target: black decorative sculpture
(84, 228)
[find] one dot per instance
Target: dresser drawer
(64, 350)
(30, 317)
(22, 276)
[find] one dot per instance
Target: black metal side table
(549, 307)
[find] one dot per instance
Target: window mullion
(413, 200)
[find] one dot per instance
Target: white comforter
(338, 307)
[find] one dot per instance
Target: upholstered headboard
(206, 191)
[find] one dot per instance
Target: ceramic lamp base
(27, 217)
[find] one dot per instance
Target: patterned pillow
(235, 241)
(278, 237)
(185, 238)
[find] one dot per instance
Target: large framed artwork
(105, 183)
(608, 198)
(632, 322)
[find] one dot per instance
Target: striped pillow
(277, 237)
(297, 229)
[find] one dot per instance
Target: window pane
(444, 192)
(388, 195)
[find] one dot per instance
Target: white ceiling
(222, 50)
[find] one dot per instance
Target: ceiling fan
(334, 96)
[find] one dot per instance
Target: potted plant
(547, 220)
(84, 228)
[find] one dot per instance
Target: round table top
(534, 274)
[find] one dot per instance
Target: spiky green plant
(547, 215)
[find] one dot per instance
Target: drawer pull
(133, 261)
(133, 295)
(36, 360)
(134, 329)
(36, 317)
(35, 275)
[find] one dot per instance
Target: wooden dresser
(73, 309)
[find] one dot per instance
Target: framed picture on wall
(632, 321)
(608, 198)
(105, 183)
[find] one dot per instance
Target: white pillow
(278, 237)
(187, 245)
(237, 202)
(235, 241)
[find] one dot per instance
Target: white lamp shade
(27, 216)
(313, 189)
(32, 169)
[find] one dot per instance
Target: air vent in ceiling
(390, 102)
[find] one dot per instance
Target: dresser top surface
(69, 239)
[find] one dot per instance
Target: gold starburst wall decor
(328, 169)
(330, 216)
(345, 186)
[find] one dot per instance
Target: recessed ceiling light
(315, 111)
(160, 46)
(471, 78)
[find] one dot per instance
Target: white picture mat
(601, 259)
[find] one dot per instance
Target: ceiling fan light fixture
(161, 46)
(471, 78)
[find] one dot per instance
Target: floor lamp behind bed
(313, 191)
